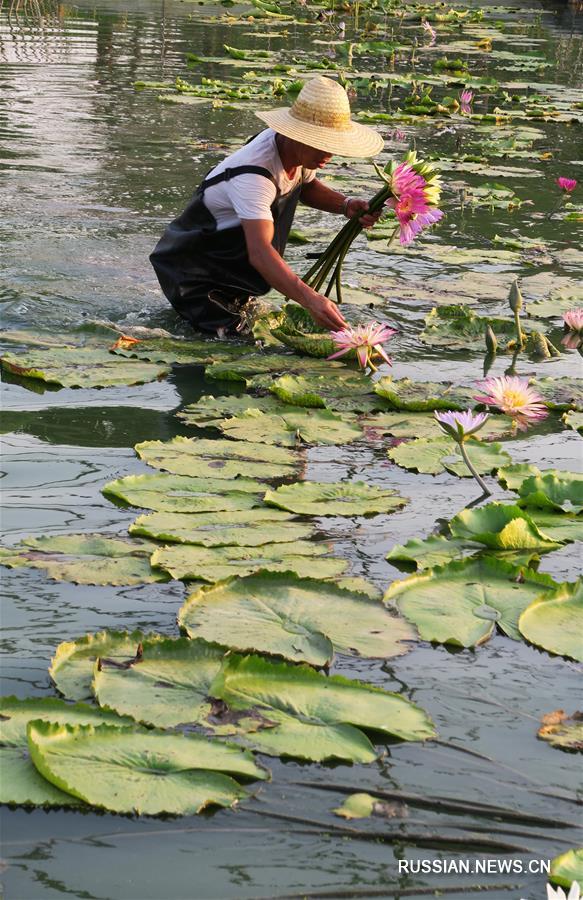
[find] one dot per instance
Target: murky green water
(91, 173)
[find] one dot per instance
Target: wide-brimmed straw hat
(320, 117)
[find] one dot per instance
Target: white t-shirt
(251, 196)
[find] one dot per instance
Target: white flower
(559, 894)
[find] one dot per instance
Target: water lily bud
(491, 340)
(538, 345)
(515, 297)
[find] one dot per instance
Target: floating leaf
(554, 621)
(177, 351)
(421, 396)
(21, 783)
(210, 411)
(351, 498)
(214, 564)
(243, 370)
(511, 477)
(574, 420)
(356, 806)
(296, 328)
(501, 526)
(549, 491)
(560, 527)
(81, 367)
(432, 455)
(317, 717)
(346, 391)
(85, 559)
(560, 393)
(219, 459)
(180, 493)
(312, 426)
(72, 665)
(425, 425)
(435, 550)
(553, 307)
(247, 528)
(130, 770)
(457, 327)
(460, 602)
(567, 868)
(298, 618)
(562, 731)
(165, 684)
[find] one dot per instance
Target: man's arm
(277, 273)
(318, 195)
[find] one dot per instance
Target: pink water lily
(460, 425)
(415, 198)
(466, 98)
(430, 32)
(574, 319)
(366, 340)
(566, 184)
(513, 396)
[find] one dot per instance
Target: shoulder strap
(227, 174)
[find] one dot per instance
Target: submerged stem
(470, 466)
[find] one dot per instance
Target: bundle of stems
(330, 262)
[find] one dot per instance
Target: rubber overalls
(206, 274)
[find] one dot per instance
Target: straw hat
(320, 117)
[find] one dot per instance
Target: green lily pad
(210, 411)
(85, 559)
(458, 327)
(245, 528)
(298, 618)
(81, 367)
(176, 351)
(219, 459)
(350, 498)
(165, 684)
(548, 491)
(130, 770)
(356, 806)
(554, 621)
(435, 550)
(421, 396)
(71, 667)
(434, 455)
(345, 392)
(560, 527)
(295, 328)
(560, 393)
(425, 425)
(21, 783)
(553, 307)
(180, 493)
(311, 426)
(511, 477)
(317, 717)
(567, 868)
(574, 420)
(501, 526)
(216, 563)
(562, 731)
(244, 370)
(452, 604)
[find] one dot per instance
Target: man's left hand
(367, 220)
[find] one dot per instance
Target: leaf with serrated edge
(351, 498)
(310, 426)
(81, 367)
(434, 455)
(247, 528)
(180, 493)
(219, 459)
(554, 621)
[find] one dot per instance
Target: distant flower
(430, 32)
(460, 425)
(366, 340)
(513, 396)
(466, 98)
(574, 319)
(559, 894)
(566, 184)
(397, 135)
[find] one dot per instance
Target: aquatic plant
(460, 426)
(573, 337)
(513, 396)
(559, 894)
(430, 32)
(366, 340)
(466, 98)
(566, 184)
(516, 303)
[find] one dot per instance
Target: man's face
(310, 158)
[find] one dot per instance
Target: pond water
(92, 170)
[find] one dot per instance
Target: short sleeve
(252, 196)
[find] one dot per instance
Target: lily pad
(298, 618)
(501, 526)
(219, 459)
(435, 550)
(295, 328)
(216, 563)
(560, 527)
(434, 455)
(350, 498)
(244, 370)
(553, 307)
(165, 683)
(425, 425)
(554, 621)
(457, 327)
(574, 420)
(250, 528)
(210, 411)
(311, 426)
(177, 351)
(85, 559)
(548, 491)
(345, 392)
(356, 806)
(180, 493)
(81, 367)
(562, 731)
(21, 783)
(421, 396)
(130, 770)
(567, 868)
(560, 393)
(461, 602)
(317, 717)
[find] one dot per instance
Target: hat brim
(357, 141)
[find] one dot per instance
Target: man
(227, 246)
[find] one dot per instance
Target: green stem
(470, 466)
(519, 332)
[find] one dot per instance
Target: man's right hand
(324, 312)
